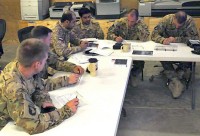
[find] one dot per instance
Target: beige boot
(176, 87)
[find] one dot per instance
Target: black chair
(24, 33)
(2, 34)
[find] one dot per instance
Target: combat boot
(169, 74)
(176, 87)
(180, 74)
(187, 74)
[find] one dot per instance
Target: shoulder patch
(32, 110)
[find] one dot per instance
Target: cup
(126, 47)
(92, 67)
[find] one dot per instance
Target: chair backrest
(2, 29)
(24, 33)
(2, 34)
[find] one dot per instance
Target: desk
(104, 94)
(183, 54)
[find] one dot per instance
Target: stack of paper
(166, 47)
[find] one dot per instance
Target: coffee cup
(92, 67)
(126, 47)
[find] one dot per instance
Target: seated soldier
(130, 28)
(62, 37)
(23, 92)
(175, 28)
(87, 28)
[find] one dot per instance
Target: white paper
(61, 100)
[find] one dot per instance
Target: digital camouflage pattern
(55, 64)
(120, 28)
(166, 29)
(61, 37)
(21, 99)
(93, 30)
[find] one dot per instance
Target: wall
(10, 11)
(124, 3)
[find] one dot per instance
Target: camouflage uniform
(138, 32)
(120, 28)
(61, 37)
(93, 30)
(166, 29)
(55, 64)
(52, 66)
(20, 99)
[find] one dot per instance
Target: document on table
(80, 60)
(138, 52)
(171, 47)
(61, 100)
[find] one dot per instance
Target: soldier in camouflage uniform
(23, 92)
(62, 37)
(130, 28)
(54, 63)
(87, 28)
(175, 28)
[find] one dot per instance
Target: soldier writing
(130, 28)
(175, 28)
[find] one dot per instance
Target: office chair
(187, 81)
(2, 34)
(24, 33)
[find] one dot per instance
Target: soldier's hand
(166, 41)
(172, 39)
(84, 44)
(73, 78)
(47, 104)
(119, 39)
(73, 104)
(78, 70)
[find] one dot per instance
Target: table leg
(192, 82)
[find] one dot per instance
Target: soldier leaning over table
(23, 93)
(86, 27)
(130, 28)
(175, 28)
(63, 41)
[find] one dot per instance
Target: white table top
(183, 52)
(104, 94)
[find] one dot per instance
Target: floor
(151, 111)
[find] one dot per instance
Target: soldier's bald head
(68, 15)
(181, 17)
(133, 13)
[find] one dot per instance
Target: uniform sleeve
(99, 32)
(60, 44)
(113, 31)
(191, 32)
(56, 83)
(143, 32)
(158, 31)
(24, 112)
(55, 63)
